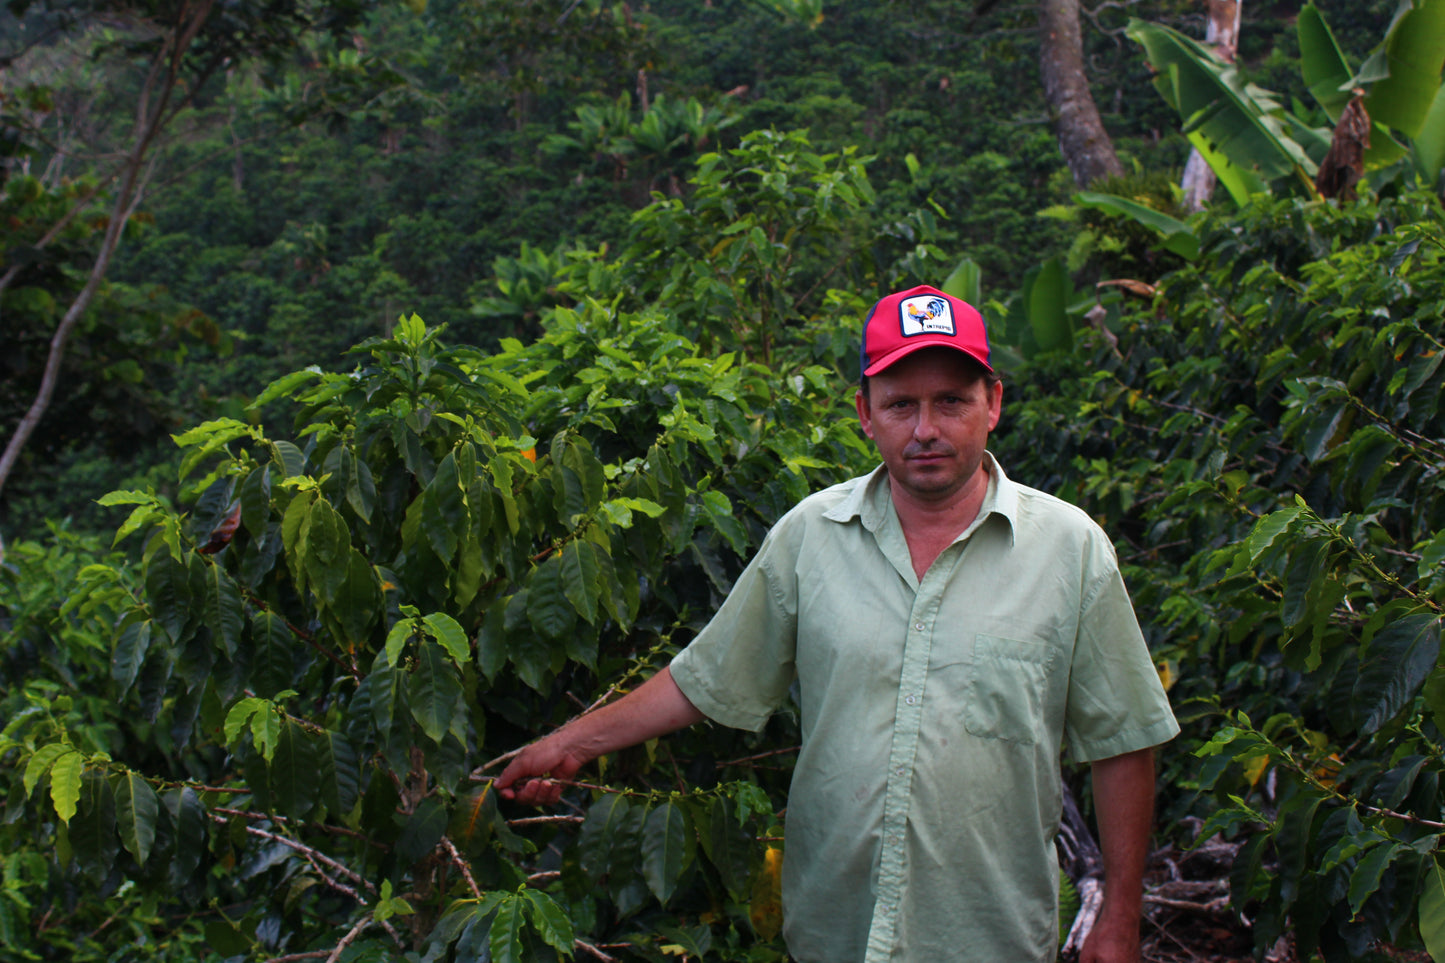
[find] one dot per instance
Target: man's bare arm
(1124, 802)
(653, 709)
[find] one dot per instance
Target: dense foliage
(1263, 440)
(629, 249)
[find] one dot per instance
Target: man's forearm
(1124, 804)
(653, 709)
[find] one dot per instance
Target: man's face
(930, 415)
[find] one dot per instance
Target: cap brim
(893, 357)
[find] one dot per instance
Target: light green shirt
(926, 795)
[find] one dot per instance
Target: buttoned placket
(908, 720)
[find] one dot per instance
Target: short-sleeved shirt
(926, 795)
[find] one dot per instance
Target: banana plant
(1251, 141)
(1240, 129)
(1401, 79)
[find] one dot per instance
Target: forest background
(454, 357)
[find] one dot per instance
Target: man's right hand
(654, 708)
(524, 780)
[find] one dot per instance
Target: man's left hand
(1110, 942)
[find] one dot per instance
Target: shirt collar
(869, 500)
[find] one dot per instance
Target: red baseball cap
(921, 317)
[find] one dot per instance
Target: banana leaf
(1411, 57)
(1430, 141)
(966, 282)
(1237, 127)
(1176, 235)
(1326, 72)
(1047, 299)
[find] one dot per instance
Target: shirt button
(910, 700)
(918, 626)
(898, 771)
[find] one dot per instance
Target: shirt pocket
(1004, 696)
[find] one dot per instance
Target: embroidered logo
(926, 314)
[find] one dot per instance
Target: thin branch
(316, 857)
(461, 864)
(762, 755)
(267, 817)
(593, 951)
(347, 940)
(545, 821)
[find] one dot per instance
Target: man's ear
(865, 415)
(995, 404)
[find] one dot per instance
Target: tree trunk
(1223, 35)
(1083, 141)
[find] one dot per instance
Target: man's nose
(926, 427)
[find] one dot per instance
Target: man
(949, 631)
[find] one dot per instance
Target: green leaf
(1432, 912)
(1395, 666)
(359, 602)
(435, 689)
(1267, 529)
(401, 632)
(729, 848)
(326, 551)
(578, 456)
(168, 590)
(130, 653)
(388, 905)
(445, 630)
(1365, 880)
(1429, 143)
(581, 577)
(40, 763)
(256, 501)
(266, 731)
(619, 510)
(225, 611)
(1326, 73)
(294, 525)
(462, 913)
(93, 839)
(1048, 300)
(965, 282)
(65, 777)
(1292, 839)
(136, 808)
(284, 386)
(444, 510)
(600, 831)
(549, 610)
(224, 937)
(1178, 237)
(667, 846)
(423, 830)
(338, 768)
(360, 486)
(294, 768)
(273, 661)
(506, 935)
(550, 921)
(291, 459)
(240, 714)
(1237, 128)
(1414, 52)
(191, 822)
(110, 499)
